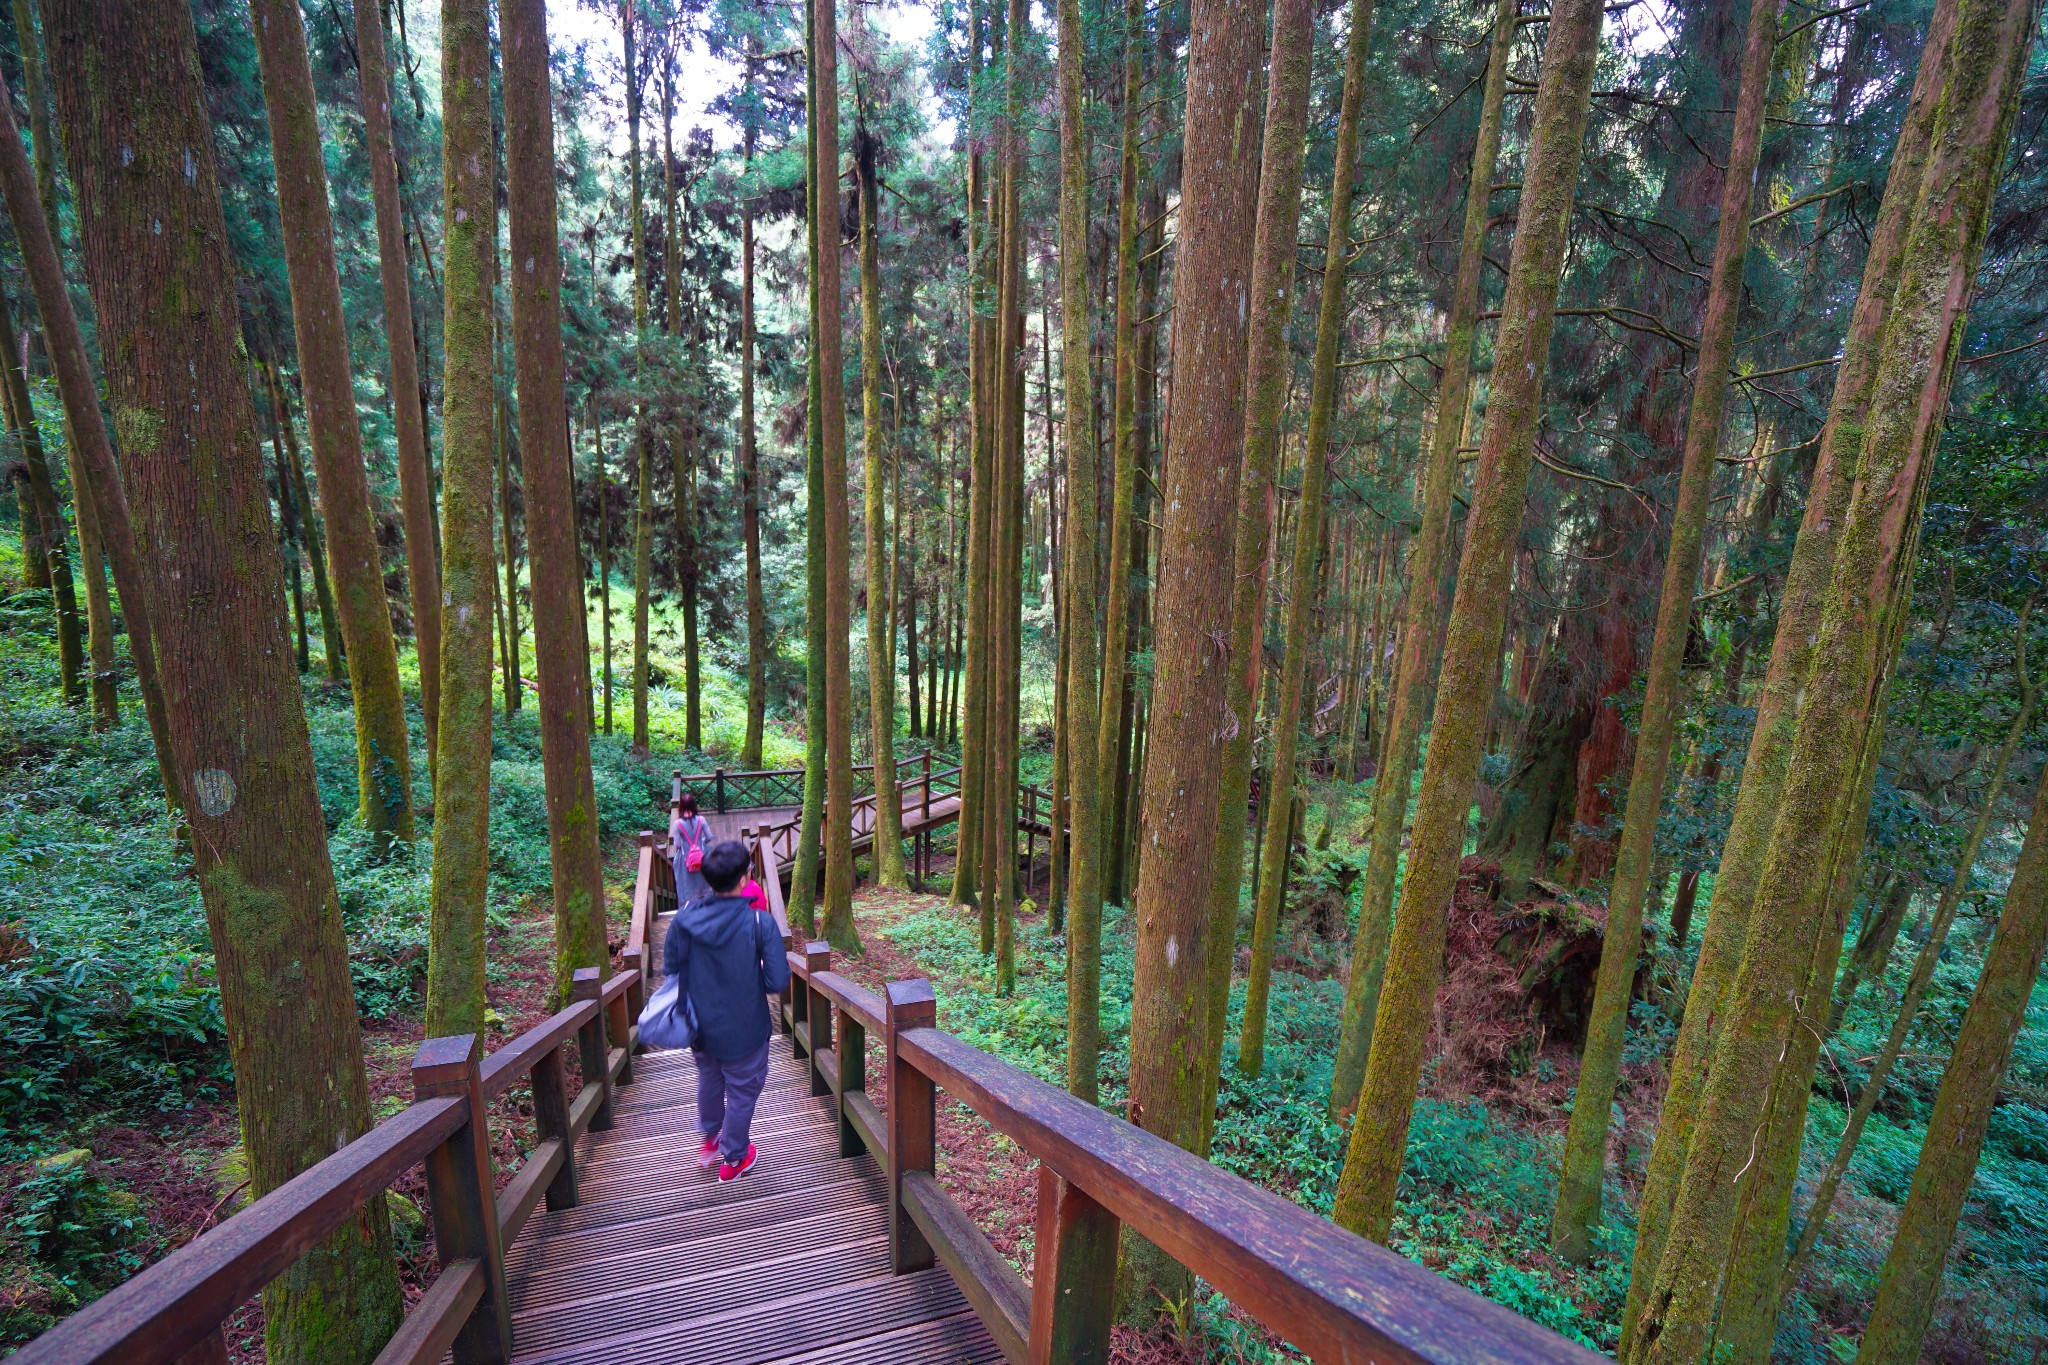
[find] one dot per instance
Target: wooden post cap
(647, 838)
(911, 1004)
(444, 1065)
(818, 956)
(586, 984)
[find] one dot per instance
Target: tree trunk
(1422, 611)
(1916, 987)
(573, 856)
(973, 680)
(888, 845)
(52, 536)
(1577, 1210)
(1471, 666)
(93, 450)
(803, 885)
(1778, 701)
(1908, 395)
(750, 475)
(837, 925)
(313, 539)
(1911, 1279)
(163, 278)
(1183, 766)
(383, 750)
(1083, 736)
(415, 478)
(289, 540)
(462, 797)
(1873, 949)
(643, 504)
(1268, 372)
(515, 687)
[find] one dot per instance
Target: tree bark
(312, 538)
(1422, 611)
(643, 507)
(511, 657)
(1083, 697)
(51, 533)
(1577, 1210)
(1778, 701)
(837, 925)
(1902, 427)
(1268, 372)
(556, 571)
(1183, 765)
(415, 478)
(94, 450)
(750, 475)
(803, 885)
(163, 277)
(878, 458)
(383, 749)
(1911, 1279)
(462, 798)
(1471, 666)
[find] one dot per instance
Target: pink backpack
(694, 859)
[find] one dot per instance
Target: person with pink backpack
(688, 837)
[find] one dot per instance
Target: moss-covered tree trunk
(1083, 697)
(1422, 610)
(1183, 763)
(462, 798)
(383, 751)
(52, 536)
(1268, 371)
(1922, 337)
(878, 459)
(1911, 1279)
(311, 539)
(509, 652)
(973, 678)
(415, 477)
(643, 488)
(1471, 666)
(1916, 987)
(92, 450)
(556, 573)
(163, 275)
(837, 924)
(1778, 700)
(1577, 1210)
(803, 884)
(750, 473)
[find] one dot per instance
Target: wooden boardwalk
(789, 1263)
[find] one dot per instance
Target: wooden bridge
(841, 1247)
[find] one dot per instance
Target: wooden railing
(919, 792)
(722, 791)
(1335, 1295)
(173, 1311)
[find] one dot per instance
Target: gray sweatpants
(727, 1091)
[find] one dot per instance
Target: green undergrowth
(110, 1020)
(1475, 1191)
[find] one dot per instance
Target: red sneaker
(707, 1152)
(727, 1171)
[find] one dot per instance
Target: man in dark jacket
(729, 958)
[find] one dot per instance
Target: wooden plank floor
(662, 1265)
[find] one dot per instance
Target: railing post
(460, 1191)
(619, 1025)
(913, 1118)
(927, 782)
(590, 1045)
(793, 1005)
(851, 1051)
(817, 1010)
(211, 1350)
(551, 1120)
(1073, 1276)
(718, 789)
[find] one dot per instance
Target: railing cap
(910, 1003)
(586, 983)
(444, 1065)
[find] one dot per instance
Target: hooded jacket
(730, 959)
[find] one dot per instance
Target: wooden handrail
(1335, 1295)
(180, 1302)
